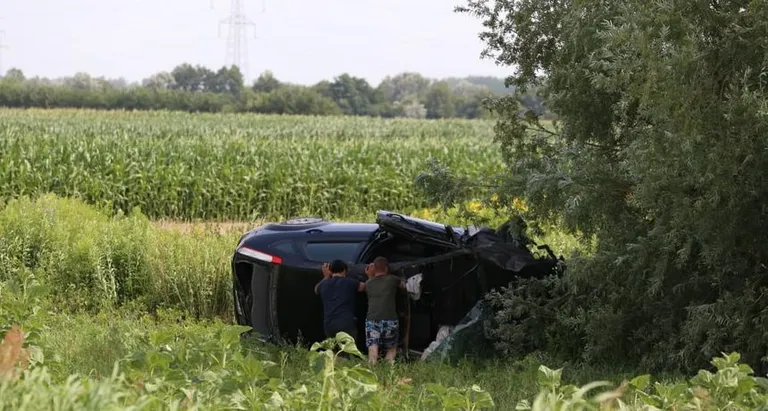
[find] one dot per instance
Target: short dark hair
(338, 266)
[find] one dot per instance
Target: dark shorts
(383, 334)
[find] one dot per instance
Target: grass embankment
(111, 282)
(120, 313)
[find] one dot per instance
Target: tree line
(200, 89)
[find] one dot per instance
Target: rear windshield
(329, 251)
(285, 248)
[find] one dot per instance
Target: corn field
(233, 167)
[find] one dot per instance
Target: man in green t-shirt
(382, 325)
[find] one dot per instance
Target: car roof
(304, 227)
(301, 228)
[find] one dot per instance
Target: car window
(329, 251)
(284, 248)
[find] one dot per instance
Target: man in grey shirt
(382, 325)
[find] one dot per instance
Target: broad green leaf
(641, 382)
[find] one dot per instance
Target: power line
(237, 37)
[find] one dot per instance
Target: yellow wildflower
(475, 206)
(519, 205)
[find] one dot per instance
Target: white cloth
(413, 286)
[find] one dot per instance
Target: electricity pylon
(237, 37)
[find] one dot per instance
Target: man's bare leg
(373, 354)
(391, 354)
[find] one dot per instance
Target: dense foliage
(52, 356)
(660, 157)
(118, 360)
(240, 167)
(193, 366)
(92, 291)
(200, 89)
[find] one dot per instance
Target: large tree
(15, 75)
(353, 94)
(661, 157)
(440, 101)
(266, 83)
(405, 87)
(191, 78)
(159, 81)
(227, 80)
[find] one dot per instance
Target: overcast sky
(301, 41)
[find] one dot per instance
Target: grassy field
(233, 167)
(120, 313)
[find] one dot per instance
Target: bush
(732, 386)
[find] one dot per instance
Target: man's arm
(369, 273)
(317, 286)
(326, 275)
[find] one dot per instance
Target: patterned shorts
(383, 334)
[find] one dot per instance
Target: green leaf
(158, 338)
(482, 398)
(548, 377)
(641, 382)
(435, 389)
(523, 405)
(589, 387)
(230, 335)
(348, 344)
(762, 382)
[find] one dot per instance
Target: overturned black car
(448, 271)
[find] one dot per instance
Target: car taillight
(259, 255)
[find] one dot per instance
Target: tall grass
(233, 167)
(90, 259)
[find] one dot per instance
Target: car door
(420, 230)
